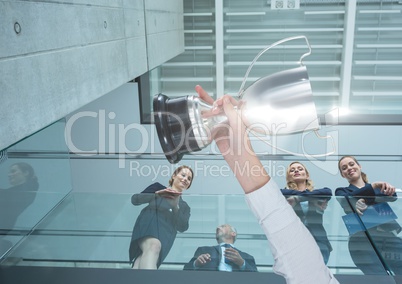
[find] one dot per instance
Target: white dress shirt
(297, 256)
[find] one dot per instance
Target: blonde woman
(299, 185)
(309, 203)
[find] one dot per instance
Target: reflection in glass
(376, 226)
(309, 203)
(310, 210)
(16, 198)
(24, 203)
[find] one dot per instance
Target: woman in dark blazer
(158, 223)
(359, 196)
(309, 204)
(15, 199)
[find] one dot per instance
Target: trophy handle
(241, 90)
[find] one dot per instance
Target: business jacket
(215, 253)
(384, 236)
(157, 219)
(312, 218)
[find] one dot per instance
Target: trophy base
(174, 127)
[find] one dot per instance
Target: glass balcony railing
(94, 230)
(35, 176)
(46, 220)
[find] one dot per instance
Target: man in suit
(224, 256)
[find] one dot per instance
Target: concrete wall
(57, 56)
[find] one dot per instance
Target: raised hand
(168, 193)
(234, 144)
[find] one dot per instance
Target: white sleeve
(296, 254)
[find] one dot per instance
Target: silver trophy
(278, 104)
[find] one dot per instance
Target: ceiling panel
(355, 64)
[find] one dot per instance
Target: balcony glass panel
(34, 178)
(90, 229)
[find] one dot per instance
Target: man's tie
(227, 261)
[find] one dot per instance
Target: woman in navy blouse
(158, 223)
(359, 186)
(309, 203)
(359, 196)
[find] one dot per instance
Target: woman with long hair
(359, 196)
